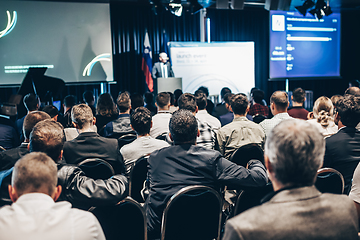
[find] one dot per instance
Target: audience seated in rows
(294, 151)
(106, 111)
(203, 115)
(161, 119)
(121, 125)
(206, 137)
(323, 116)
(343, 148)
(240, 131)
(69, 102)
(279, 103)
(80, 190)
(297, 110)
(186, 164)
(144, 144)
(258, 107)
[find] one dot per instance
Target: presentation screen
(304, 47)
(73, 40)
(214, 65)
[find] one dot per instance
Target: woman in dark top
(106, 111)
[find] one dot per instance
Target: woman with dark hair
(106, 111)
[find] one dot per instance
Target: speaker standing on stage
(163, 68)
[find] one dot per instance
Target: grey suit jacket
(300, 213)
(156, 70)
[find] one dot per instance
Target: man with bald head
(279, 103)
(294, 151)
(34, 213)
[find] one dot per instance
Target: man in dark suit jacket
(343, 148)
(294, 152)
(161, 69)
(89, 144)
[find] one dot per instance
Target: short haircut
(353, 91)
(239, 103)
(204, 90)
(31, 102)
(296, 151)
(88, 96)
(137, 100)
(31, 120)
(123, 102)
(149, 97)
(51, 110)
(81, 114)
(334, 99)
(69, 101)
(298, 95)
(48, 137)
(141, 120)
(162, 99)
(105, 105)
(228, 97)
(224, 91)
(348, 109)
(201, 100)
(177, 94)
(323, 111)
(187, 101)
(34, 172)
(183, 127)
(258, 95)
(280, 99)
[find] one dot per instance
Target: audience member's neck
(167, 108)
(277, 111)
(239, 115)
(184, 143)
(127, 112)
(143, 135)
(87, 128)
(296, 104)
(202, 109)
(340, 124)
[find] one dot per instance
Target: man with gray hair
(294, 151)
(34, 213)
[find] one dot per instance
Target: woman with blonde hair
(323, 116)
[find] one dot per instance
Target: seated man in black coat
(186, 164)
(89, 144)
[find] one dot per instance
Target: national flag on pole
(147, 63)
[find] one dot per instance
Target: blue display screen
(304, 47)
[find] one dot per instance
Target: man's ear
(57, 193)
(151, 124)
(12, 193)
(61, 155)
(156, 105)
(94, 120)
(197, 109)
(198, 133)
(75, 125)
(171, 137)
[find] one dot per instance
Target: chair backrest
(126, 139)
(247, 152)
(162, 136)
(126, 220)
(138, 175)
(329, 180)
(251, 197)
(193, 212)
(96, 168)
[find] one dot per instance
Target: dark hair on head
(48, 137)
(280, 99)
(81, 114)
(136, 100)
(183, 127)
(51, 110)
(31, 120)
(69, 101)
(298, 95)
(88, 96)
(348, 109)
(187, 101)
(141, 120)
(105, 105)
(239, 104)
(149, 97)
(258, 95)
(204, 90)
(224, 91)
(201, 100)
(353, 91)
(177, 94)
(334, 99)
(123, 102)
(162, 99)
(172, 98)
(31, 102)
(228, 97)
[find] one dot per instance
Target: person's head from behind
(187, 101)
(163, 57)
(201, 100)
(204, 90)
(105, 105)
(227, 100)
(31, 120)
(177, 94)
(294, 151)
(141, 121)
(34, 173)
(88, 98)
(136, 101)
(334, 99)
(163, 101)
(348, 110)
(183, 127)
(298, 95)
(52, 111)
(323, 110)
(149, 98)
(69, 101)
(48, 137)
(258, 96)
(123, 102)
(224, 91)
(353, 91)
(82, 116)
(239, 104)
(172, 98)
(279, 102)
(31, 102)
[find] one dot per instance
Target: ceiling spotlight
(303, 9)
(176, 9)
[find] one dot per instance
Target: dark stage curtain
(129, 24)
